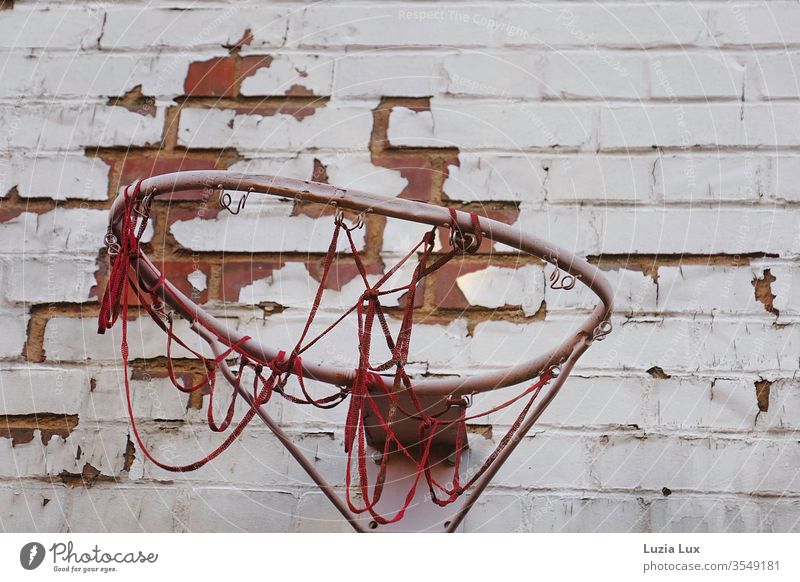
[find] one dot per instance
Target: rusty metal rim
(420, 212)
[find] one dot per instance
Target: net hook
(142, 208)
(602, 330)
(225, 201)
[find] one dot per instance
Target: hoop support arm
(554, 388)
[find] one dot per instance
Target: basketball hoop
(409, 421)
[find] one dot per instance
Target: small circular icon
(31, 555)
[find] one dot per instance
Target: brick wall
(658, 140)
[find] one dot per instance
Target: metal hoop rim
(362, 202)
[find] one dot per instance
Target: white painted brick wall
(658, 140)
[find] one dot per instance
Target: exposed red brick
(320, 172)
(249, 66)
(297, 110)
(8, 214)
(763, 291)
(246, 39)
(416, 169)
(446, 162)
(20, 428)
(341, 273)
(446, 294)
(762, 394)
(298, 91)
(147, 372)
(134, 100)
(236, 276)
(212, 78)
(177, 272)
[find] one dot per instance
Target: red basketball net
(271, 377)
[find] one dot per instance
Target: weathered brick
(587, 26)
(64, 230)
(153, 396)
(707, 289)
(43, 390)
(145, 338)
(487, 177)
(255, 458)
(215, 77)
(95, 75)
(774, 74)
(29, 508)
(657, 140)
(695, 76)
(499, 75)
(14, 324)
(698, 464)
(137, 27)
(746, 25)
(68, 27)
(359, 173)
(704, 403)
(696, 231)
(244, 233)
(324, 127)
(693, 125)
(496, 513)
(387, 76)
(117, 509)
(591, 513)
(101, 448)
(540, 461)
(504, 125)
(462, 285)
(601, 179)
(417, 171)
(594, 75)
(43, 127)
(673, 344)
(634, 292)
(699, 178)
(289, 74)
(382, 25)
(679, 513)
(49, 279)
(240, 510)
(57, 178)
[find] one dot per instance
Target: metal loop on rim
(358, 222)
(464, 241)
(225, 201)
(602, 330)
(561, 280)
(142, 207)
(464, 401)
(112, 245)
(160, 308)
